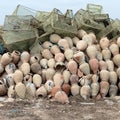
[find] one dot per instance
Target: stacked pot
(61, 67)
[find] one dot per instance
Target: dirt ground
(44, 109)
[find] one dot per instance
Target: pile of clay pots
(60, 67)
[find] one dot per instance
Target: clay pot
(66, 76)
(88, 39)
(49, 85)
(118, 72)
(75, 89)
(16, 56)
(37, 80)
(104, 75)
(63, 44)
(95, 78)
(59, 57)
(66, 88)
(68, 54)
(72, 66)
(50, 72)
(85, 80)
(81, 33)
(58, 79)
(3, 89)
(114, 48)
(99, 56)
(104, 88)
(118, 41)
(113, 77)
(102, 65)
(55, 49)
(1, 68)
(18, 76)
(41, 91)
(6, 58)
(79, 73)
(47, 45)
(54, 90)
(113, 90)
(106, 54)
(36, 68)
(85, 68)
(79, 57)
(75, 40)
(11, 92)
(20, 90)
(85, 92)
(93, 37)
(70, 41)
(51, 63)
(116, 60)
(30, 90)
(10, 68)
(34, 59)
(27, 79)
(54, 38)
(8, 80)
(110, 65)
(43, 75)
(104, 42)
(95, 89)
(91, 51)
(25, 68)
(47, 54)
(43, 63)
(60, 66)
(94, 65)
(25, 56)
(61, 97)
(81, 45)
(74, 79)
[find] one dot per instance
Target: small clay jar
(47, 45)
(116, 60)
(16, 56)
(70, 41)
(1, 68)
(27, 78)
(72, 66)
(49, 85)
(66, 76)
(58, 79)
(20, 90)
(37, 80)
(51, 63)
(54, 38)
(94, 65)
(50, 72)
(34, 59)
(85, 68)
(25, 68)
(55, 49)
(81, 45)
(104, 42)
(61, 97)
(10, 68)
(81, 33)
(68, 54)
(3, 89)
(25, 56)
(59, 57)
(36, 68)
(106, 54)
(63, 44)
(91, 51)
(75, 89)
(17, 76)
(6, 58)
(114, 48)
(66, 88)
(43, 63)
(41, 91)
(104, 75)
(47, 54)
